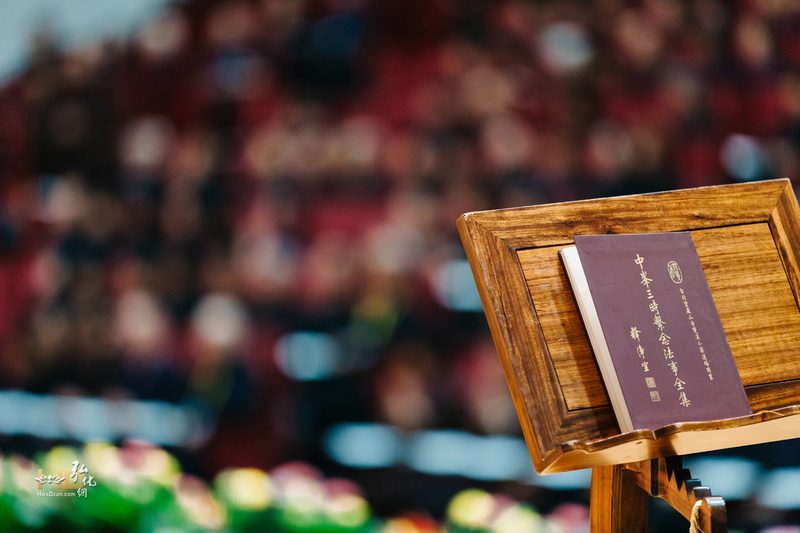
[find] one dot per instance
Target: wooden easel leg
(617, 503)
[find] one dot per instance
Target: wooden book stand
(748, 240)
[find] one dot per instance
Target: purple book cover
(662, 329)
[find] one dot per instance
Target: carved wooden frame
(748, 239)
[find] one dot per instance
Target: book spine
(591, 320)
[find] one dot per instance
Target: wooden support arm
(619, 497)
(670, 481)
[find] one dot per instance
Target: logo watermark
(68, 483)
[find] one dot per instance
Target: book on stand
(654, 329)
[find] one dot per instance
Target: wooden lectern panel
(748, 240)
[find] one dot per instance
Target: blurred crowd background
(247, 207)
